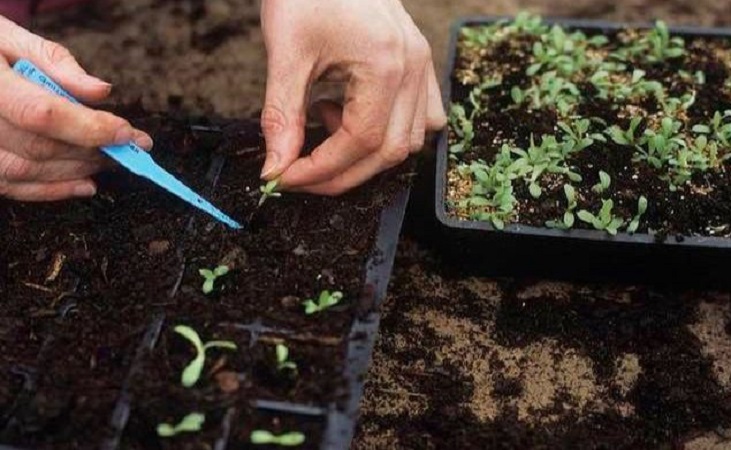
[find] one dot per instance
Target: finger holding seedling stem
(269, 190)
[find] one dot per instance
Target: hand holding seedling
(49, 146)
(392, 97)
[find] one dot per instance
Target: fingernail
(85, 190)
(124, 135)
(96, 81)
(144, 140)
(271, 165)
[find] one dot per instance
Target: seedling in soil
(641, 210)
(191, 423)
(192, 372)
(326, 300)
(263, 437)
(626, 137)
(604, 182)
(283, 361)
(462, 127)
(269, 190)
(568, 217)
(604, 220)
(211, 276)
(655, 46)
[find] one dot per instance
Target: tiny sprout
(269, 190)
(641, 210)
(325, 301)
(192, 371)
(263, 437)
(283, 361)
(604, 220)
(604, 182)
(568, 216)
(210, 277)
(191, 423)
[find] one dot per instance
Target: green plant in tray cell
(654, 46)
(263, 437)
(605, 181)
(634, 225)
(192, 372)
(550, 90)
(191, 423)
(604, 220)
(527, 23)
(559, 51)
(475, 97)
(658, 147)
(210, 277)
(577, 136)
(462, 127)
(626, 137)
(283, 361)
(719, 128)
(325, 301)
(568, 217)
(269, 190)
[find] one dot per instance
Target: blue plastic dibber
(131, 156)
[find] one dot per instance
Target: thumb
(52, 58)
(283, 117)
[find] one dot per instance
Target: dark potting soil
(446, 336)
(701, 208)
(81, 282)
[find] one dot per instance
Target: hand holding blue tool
(130, 156)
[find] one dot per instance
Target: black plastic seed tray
(585, 255)
(337, 422)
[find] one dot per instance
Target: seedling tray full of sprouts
(560, 127)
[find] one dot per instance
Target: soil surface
(505, 364)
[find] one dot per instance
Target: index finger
(34, 109)
(369, 100)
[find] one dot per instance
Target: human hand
(48, 145)
(392, 96)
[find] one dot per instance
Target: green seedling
(326, 300)
(283, 361)
(192, 372)
(658, 147)
(475, 97)
(263, 437)
(628, 137)
(654, 46)
(462, 127)
(210, 277)
(604, 220)
(577, 136)
(605, 181)
(550, 91)
(269, 190)
(568, 217)
(620, 89)
(191, 423)
(641, 210)
(719, 129)
(565, 53)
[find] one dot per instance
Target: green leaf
(292, 439)
(586, 216)
(575, 177)
(702, 129)
(498, 223)
(206, 273)
(568, 219)
(642, 205)
(191, 335)
(208, 286)
(311, 307)
(228, 345)
(262, 437)
(535, 190)
(221, 271)
(193, 422)
(633, 226)
(533, 69)
(192, 373)
(282, 353)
